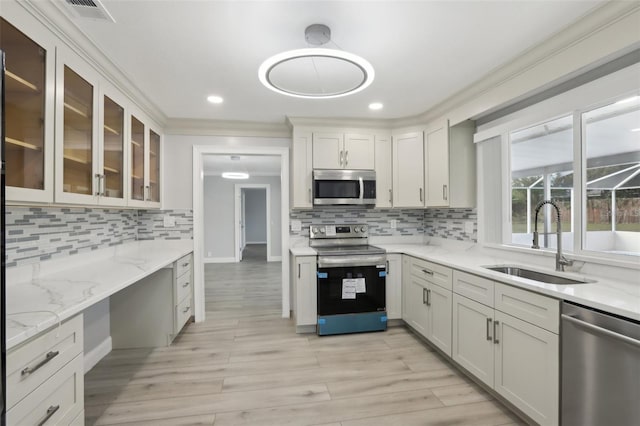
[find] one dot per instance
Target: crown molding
(54, 16)
(200, 127)
(367, 123)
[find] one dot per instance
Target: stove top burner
(349, 250)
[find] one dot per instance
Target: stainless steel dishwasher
(600, 368)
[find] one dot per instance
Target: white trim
(198, 218)
(219, 260)
(274, 258)
(94, 356)
(255, 242)
(238, 187)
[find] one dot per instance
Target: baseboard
(274, 258)
(219, 260)
(94, 356)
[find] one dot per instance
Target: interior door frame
(198, 217)
(240, 215)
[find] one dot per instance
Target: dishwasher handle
(612, 334)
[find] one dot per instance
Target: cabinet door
(384, 194)
(113, 155)
(439, 301)
(359, 152)
(301, 168)
(394, 286)
(328, 151)
(527, 368)
(137, 169)
(416, 305)
(29, 114)
(436, 160)
(306, 295)
(77, 152)
(153, 180)
(408, 170)
(472, 346)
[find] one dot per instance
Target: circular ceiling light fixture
(235, 175)
(316, 73)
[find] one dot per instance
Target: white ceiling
(255, 165)
(180, 51)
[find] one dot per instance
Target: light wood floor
(246, 366)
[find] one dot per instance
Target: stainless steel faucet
(561, 261)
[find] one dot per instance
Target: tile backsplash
(35, 234)
(443, 223)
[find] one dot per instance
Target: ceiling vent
(89, 9)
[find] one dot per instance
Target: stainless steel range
(351, 282)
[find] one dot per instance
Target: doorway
(253, 222)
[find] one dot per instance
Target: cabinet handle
(50, 412)
(444, 192)
(148, 192)
(489, 338)
(388, 267)
(30, 370)
(100, 185)
(428, 272)
(429, 297)
(309, 194)
(496, 324)
(299, 270)
(390, 196)
(185, 310)
(346, 158)
(341, 158)
(184, 265)
(420, 194)
(424, 296)
(185, 284)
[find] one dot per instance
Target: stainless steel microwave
(344, 187)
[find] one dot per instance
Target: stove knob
(356, 229)
(315, 230)
(363, 229)
(322, 230)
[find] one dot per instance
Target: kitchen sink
(530, 274)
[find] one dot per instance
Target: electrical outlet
(296, 225)
(393, 223)
(468, 228)
(169, 221)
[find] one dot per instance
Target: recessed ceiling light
(375, 106)
(637, 129)
(627, 100)
(235, 175)
(214, 99)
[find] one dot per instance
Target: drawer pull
(30, 370)
(185, 310)
(185, 284)
(184, 265)
(496, 327)
(50, 412)
(428, 272)
(489, 338)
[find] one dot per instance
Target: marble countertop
(609, 295)
(56, 293)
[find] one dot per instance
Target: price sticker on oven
(361, 287)
(349, 288)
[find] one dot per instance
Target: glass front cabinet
(29, 112)
(144, 166)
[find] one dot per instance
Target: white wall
(178, 157)
(219, 215)
(255, 216)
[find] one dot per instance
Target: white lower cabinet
(519, 359)
(426, 305)
(303, 283)
(394, 286)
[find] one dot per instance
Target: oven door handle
(352, 261)
(361, 189)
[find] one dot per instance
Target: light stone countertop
(607, 294)
(59, 293)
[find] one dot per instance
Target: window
(542, 169)
(611, 136)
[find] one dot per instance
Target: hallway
(245, 365)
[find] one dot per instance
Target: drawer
(58, 400)
(183, 286)
(531, 307)
(183, 265)
(473, 287)
(184, 310)
(33, 362)
(432, 272)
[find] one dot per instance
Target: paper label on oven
(361, 287)
(330, 230)
(348, 288)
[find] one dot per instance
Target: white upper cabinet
(383, 168)
(29, 112)
(144, 162)
(300, 170)
(436, 160)
(408, 170)
(343, 151)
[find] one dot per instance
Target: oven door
(351, 289)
